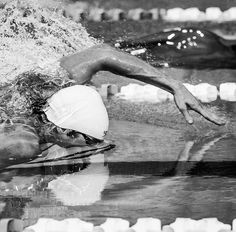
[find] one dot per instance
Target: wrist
(176, 86)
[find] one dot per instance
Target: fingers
(183, 109)
(187, 116)
(206, 113)
(185, 100)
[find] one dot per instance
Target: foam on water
(27, 31)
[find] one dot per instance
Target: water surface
(153, 172)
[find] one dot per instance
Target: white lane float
(138, 14)
(131, 92)
(167, 229)
(147, 225)
(156, 94)
(121, 225)
(174, 14)
(135, 14)
(76, 11)
(115, 225)
(229, 15)
(113, 89)
(97, 14)
(192, 14)
(213, 14)
(67, 225)
(234, 225)
(203, 225)
(116, 14)
(155, 13)
(76, 14)
(206, 92)
(108, 89)
(146, 93)
(203, 91)
(82, 10)
(190, 88)
(103, 90)
(150, 93)
(228, 91)
(162, 13)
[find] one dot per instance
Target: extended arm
(83, 65)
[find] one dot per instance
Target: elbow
(105, 51)
(106, 55)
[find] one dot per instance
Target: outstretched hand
(185, 101)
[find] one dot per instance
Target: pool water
(153, 172)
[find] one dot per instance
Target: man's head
(79, 108)
(60, 104)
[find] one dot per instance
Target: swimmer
(183, 47)
(36, 96)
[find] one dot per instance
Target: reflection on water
(153, 171)
(81, 188)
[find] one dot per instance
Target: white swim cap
(79, 108)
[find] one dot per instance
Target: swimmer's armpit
(83, 65)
